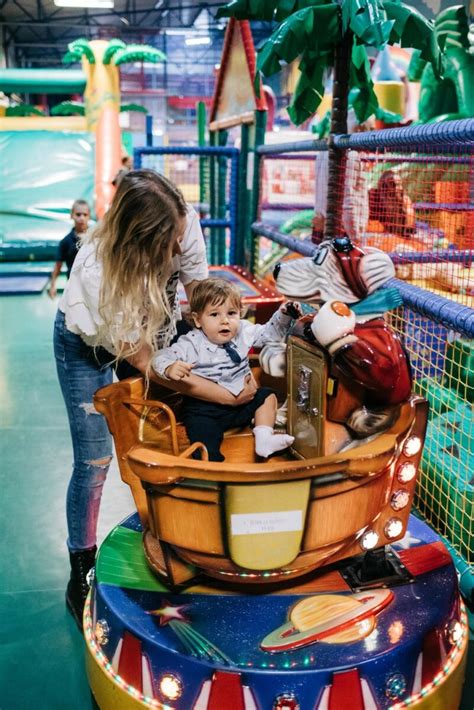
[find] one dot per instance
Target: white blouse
(80, 300)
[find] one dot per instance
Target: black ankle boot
(78, 587)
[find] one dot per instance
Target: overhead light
(194, 41)
(100, 4)
(124, 20)
(177, 32)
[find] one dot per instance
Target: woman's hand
(248, 393)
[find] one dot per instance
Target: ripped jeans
(81, 372)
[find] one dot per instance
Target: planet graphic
(332, 618)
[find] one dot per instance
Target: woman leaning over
(119, 308)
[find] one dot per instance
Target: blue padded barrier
(420, 138)
(284, 240)
(183, 150)
(293, 147)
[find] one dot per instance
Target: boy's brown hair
(214, 292)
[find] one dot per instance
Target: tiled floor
(41, 651)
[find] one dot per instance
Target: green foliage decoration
(112, 49)
(138, 53)
(23, 110)
(78, 49)
(312, 29)
(133, 107)
(68, 108)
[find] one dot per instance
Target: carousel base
(311, 645)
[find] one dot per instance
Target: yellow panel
(265, 523)
(237, 96)
(391, 96)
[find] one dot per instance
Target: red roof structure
(235, 99)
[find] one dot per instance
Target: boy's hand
(292, 309)
(52, 292)
(179, 370)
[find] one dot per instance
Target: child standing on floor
(217, 349)
(69, 246)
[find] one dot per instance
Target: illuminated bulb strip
(152, 703)
(258, 575)
(441, 675)
(103, 661)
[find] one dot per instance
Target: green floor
(41, 651)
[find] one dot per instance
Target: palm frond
(23, 110)
(138, 53)
(363, 98)
(68, 108)
(72, 57)
(382, 114)
(452, 28)
(267, 10)
(321, 130)
(368, 21)
(112, 48)
(81, 48)
(314, 30)
(133, 107)
(249, 10)
(309, 90)
(416, 66)
(412, 29)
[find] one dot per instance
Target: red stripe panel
(431, 656)
(226, 692)
(425, 558)
(130, 663)
(346, 691)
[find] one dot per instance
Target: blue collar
(379, 302)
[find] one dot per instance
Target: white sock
(266, 442)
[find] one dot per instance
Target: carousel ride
(301, 582)
(298, 582)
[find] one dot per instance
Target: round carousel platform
(312, 645)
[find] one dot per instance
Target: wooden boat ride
(319, 589)
(249, 521)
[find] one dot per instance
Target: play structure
(302, 582)
(308, 581)
(49, 161)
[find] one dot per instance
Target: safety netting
(208, 180)
(410, 193)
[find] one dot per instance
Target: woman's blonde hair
(135, 243)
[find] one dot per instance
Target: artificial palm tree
(76, 108)
(100, 61)
(327, 34)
